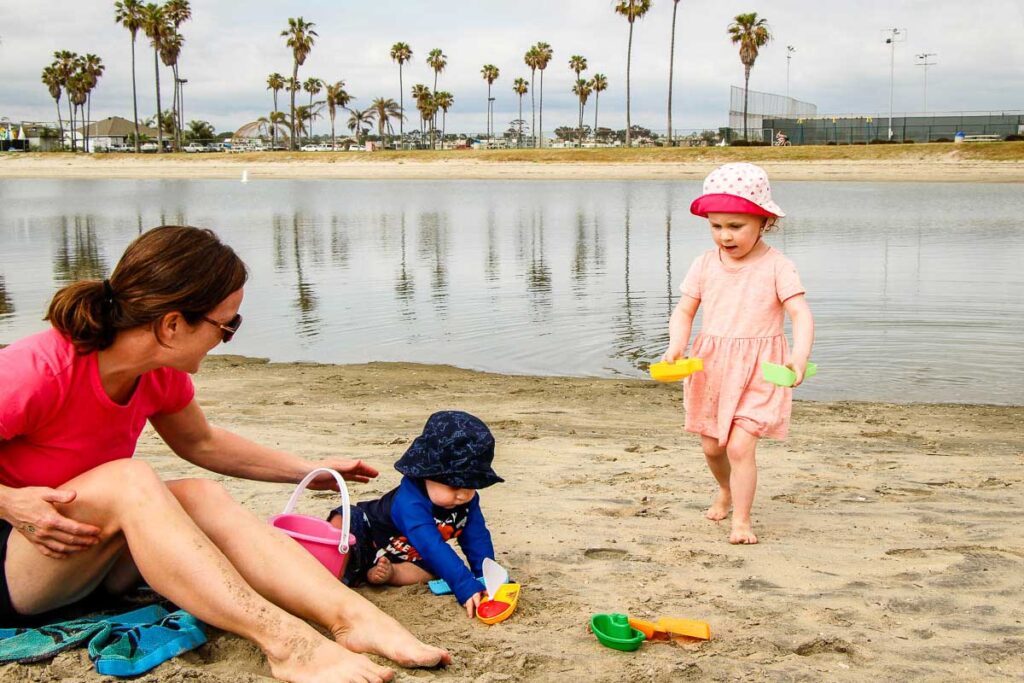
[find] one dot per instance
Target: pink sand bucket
(327, 543)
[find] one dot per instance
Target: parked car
(310, 148)
(195, 147)
(148, 147)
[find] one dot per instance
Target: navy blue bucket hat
(455, 448)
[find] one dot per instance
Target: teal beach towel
(127, 644)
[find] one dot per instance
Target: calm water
(917, 289)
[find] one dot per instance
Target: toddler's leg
(718, 463)
(741, 451)
(397, 573)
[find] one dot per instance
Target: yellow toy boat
(673, 372)
(501, 606)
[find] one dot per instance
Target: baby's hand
(473, 603)
(799, 369)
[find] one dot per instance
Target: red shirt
(57, 422)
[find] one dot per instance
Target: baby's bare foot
(720, 507)
(381, 572)
(742, 534)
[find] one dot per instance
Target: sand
(354, 165)
(891, 534)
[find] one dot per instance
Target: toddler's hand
(672, 354)
(473, 603)
(799, 369)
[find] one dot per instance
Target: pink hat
(736, 188)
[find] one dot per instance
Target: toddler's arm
(803, 334)
(679, 326)
(475, 539)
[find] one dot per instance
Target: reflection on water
(912, 297)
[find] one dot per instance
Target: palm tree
(170, 50)
(157, 29)
(92, 69)
(599, 83)
(357, 119)
(177, 12)
(77, 86)
(200, 130)
(401, 53)
(51, 79)
(300, 38)
(490, 74)
(273, 121)
(752, 34)
(64, 64)
(531, 58)
(520, 87)
(671, 67)
(444, 101)
(544, 55)
(305, 115)
(437, 61)
(336, 97)
(582, 90)
(313, 86)
(632, 10)
(578, 64)
(420, 93)
(128, 13)
(383, 110)
(275, 83)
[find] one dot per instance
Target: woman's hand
(33, 511)
(351, 470)
(473, 603)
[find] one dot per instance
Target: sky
(840, 62)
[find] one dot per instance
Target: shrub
(1014, 137)
(740, 143)
(879, 141)
(943, 140)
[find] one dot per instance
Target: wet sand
(891, 543)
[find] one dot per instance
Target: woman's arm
(189, 435)
(803, 334)
(679, 326)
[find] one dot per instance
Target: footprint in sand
(604, 554)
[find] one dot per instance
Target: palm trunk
(629, 58)
(88, 116)
(540, 137)
(159, 127)
(671, 67)
(519, 142)
(533, 110)
(175, 110)
(71, 122)
(135, 98)
(401, 107)
(310, 117)
(60, 123)
(489, 136)
(334, 144)
(597, 103)
(273, 124)
(444, 123)
(295, 127)
(746, 96)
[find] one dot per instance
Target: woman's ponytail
(80, 312)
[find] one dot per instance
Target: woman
(80, 514)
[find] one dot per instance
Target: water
(916, 288)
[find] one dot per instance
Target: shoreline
(481, 166)
(890, 534)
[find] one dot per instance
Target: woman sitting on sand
(79, 514)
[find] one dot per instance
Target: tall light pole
(894, 35)
(923, 61)
(789, 55)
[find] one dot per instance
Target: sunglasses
(228, 329)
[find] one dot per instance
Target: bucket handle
(345, 521)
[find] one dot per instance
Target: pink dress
(742, 326)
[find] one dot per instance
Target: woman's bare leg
(134, 508)
(286, 575)
(718, 463)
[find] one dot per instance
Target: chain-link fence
(762, 105)
(865, 128)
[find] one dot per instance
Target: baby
(402, 537)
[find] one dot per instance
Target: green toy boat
(783, 376)
(613, 630)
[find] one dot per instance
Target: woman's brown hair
(167, 269)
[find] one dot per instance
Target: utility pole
(923, 61)
(894, 35)
(789, 55)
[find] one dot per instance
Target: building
(111, 134)
(863, 128)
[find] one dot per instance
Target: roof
(117, 127)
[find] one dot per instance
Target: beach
(994, 162)
(890, 534)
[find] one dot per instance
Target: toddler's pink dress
(742, 325)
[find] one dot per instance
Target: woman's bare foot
(742, 533)
(719, 509)
(315, 659)
(370, 630)
(381, 572)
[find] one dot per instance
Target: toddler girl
(745, 286)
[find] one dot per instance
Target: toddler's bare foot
(742, 533)
(720, 507)
(381, 572)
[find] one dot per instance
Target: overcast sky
(841, 63)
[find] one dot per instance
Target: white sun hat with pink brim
(737, 188)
